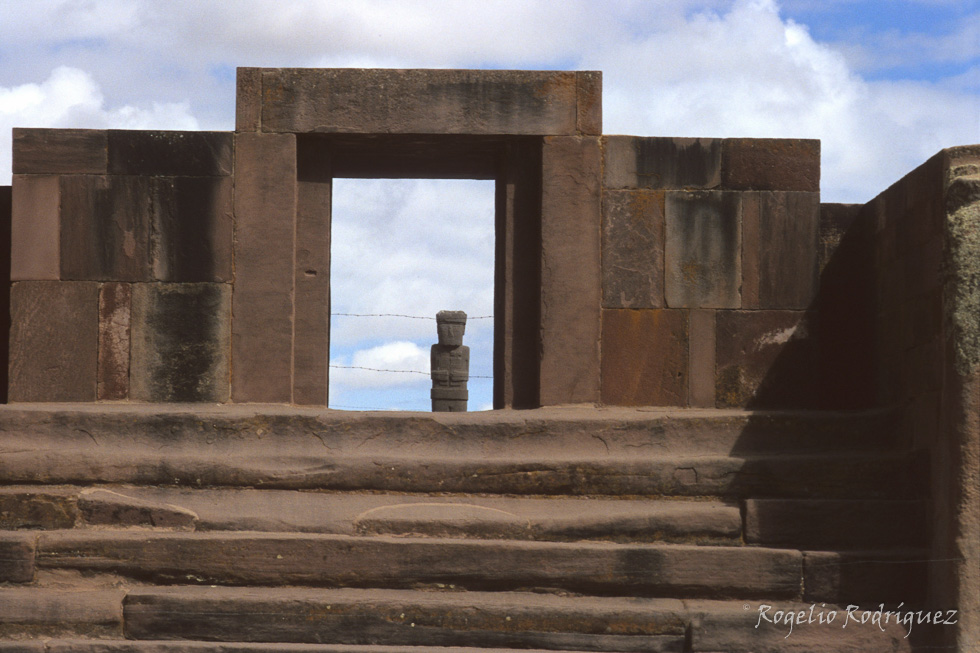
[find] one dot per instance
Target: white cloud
(70, 98)
(750, 73)
(411, 247)
(372, 368)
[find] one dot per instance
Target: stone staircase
(166, 529)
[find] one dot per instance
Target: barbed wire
(413, 317)
(376, 369)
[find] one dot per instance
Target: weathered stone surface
(803, 476)
(265, 215)
(59, 151)
(54, 341)
(820, 524)
(23, 647)
(870, 577)
(193, 228)
(731, 627)
(35, 228)
(552, 519)
(248, 99)
(105, 228)
(34, 508)
(38, 613)
(114, 340)
(632, 249)
(184, 153)
(662, 163)
(180, 342)
(559, 433)
(337, 560)
(701, 370)
(422, 101)
(588, 97)
(667, 643)
(407, 618)
(771, 164)
(765, 359)
(17, 557)
(5, 252)
(703, 249)
(557, 519)
(571, 292)
(109, 508)
(779, 249)
(311, 335)
(644, 357)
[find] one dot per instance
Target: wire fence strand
(412, 317)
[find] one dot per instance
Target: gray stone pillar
(450, 364)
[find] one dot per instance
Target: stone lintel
(506, 102)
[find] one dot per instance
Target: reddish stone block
(770, 164)
(347, 100)
(779, 249)
(194, 154)
(105, 228)
(39, 508)
(17, 557)
(35, 228)
(645, 357)
(632, 249)
(248, 99)
(661, 163)
(311, 345)
(702, 359)
(103, 507)
(265, 217)
(588, 97)
(114, 343)
(193, 228)
(703, 249)
(59, 151)
(181, 338)
(570, 275)
(765, 359)
(54, 339)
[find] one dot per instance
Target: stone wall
(899, 306)
(121, 265)
(709, 272)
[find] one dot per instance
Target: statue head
(451, 325)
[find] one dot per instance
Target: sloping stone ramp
(150, 529)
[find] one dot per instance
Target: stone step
(32, 613)
(296, 620)
(490, 517)
(570, 432)
(407, 618)
(411, 618)
(765, 627)
(264, 559)
(836, 524)
(185, 646)
(844, 476)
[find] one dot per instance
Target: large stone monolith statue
(450, 364)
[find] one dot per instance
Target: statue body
(450, 364)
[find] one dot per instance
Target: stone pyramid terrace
(729, 418)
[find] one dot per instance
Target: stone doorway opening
(401, 250)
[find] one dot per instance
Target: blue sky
(884, 84)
